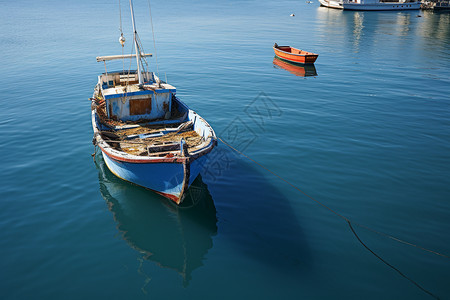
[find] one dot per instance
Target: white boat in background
(332, 4)
(371, 4)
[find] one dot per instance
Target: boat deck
(143, 138)
(168, 144)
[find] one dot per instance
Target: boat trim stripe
(147, 161)
(300, 55)
(157, 160)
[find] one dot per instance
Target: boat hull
(375, 6)
(295, 58)
(331, 4)
(382, 6)
(165, 178)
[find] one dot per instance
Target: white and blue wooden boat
(147, 136)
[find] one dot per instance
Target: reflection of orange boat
(297, 70)
(294, 55)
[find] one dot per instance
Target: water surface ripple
(368, 135)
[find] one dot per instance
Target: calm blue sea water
(368, 136)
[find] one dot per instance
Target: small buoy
(122, 40)
(292, 15)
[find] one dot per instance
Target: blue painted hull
(165, 178)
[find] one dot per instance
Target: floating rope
(389, 265)
(349, 222)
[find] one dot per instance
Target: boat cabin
(134, 95)
(126, 100)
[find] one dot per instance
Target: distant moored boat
(294, 55)
(371, 4)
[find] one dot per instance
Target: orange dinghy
(294, 55)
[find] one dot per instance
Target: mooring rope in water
(389, 265)
(349, 222)
(333, 211)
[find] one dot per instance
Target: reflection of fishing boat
(294, 55)
(146, 134)
(371, 4)
(297, 70)
(174, 237)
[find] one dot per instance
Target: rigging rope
(349, 222)
(120, 18)
(153, 33)
(141, 50)
(128, 75)
(121, 35)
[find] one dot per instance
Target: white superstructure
(371, 4)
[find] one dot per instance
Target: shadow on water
(300, 70)
(256, 217)
(253, 218)
(174, 237)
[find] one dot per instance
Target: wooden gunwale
(121, 156)
(302, 58)
(295, 54)
(156, 160)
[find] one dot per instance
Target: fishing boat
(371, 4)
(296, 69)
(294, 55)
(146, 134)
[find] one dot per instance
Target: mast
(138, 50)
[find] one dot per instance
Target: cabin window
(140, 106)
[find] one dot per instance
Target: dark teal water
(368, 136)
